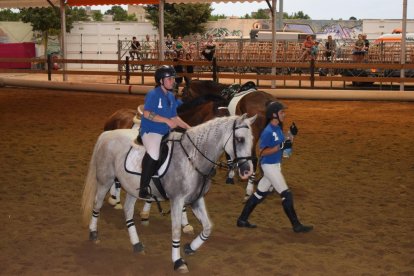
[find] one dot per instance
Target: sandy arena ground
(351, 174)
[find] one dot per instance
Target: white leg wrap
(197, 242)
(93, 225)
(118, 194)
(132, 231)
(231, 174)
(112, 191)
(184, 218)
(249, 188)
(147, 207)
(175, 250)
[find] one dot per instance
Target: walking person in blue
(160, 116)
(273, 145)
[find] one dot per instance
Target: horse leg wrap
(93, 225)
(132, 231)
(197, 242)
(175, 250)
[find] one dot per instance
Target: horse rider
(272, 144)
(160, 116)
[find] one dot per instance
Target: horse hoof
(93, 236)
(144, 222)
(181, 266)
(188, 250)
(229, 180)
(118, 206)
(112, 200)
(188, 229)
(138, 248)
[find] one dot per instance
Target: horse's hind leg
(200, 211)
(129, 218)
(93, 224)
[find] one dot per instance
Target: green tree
(77, 14)
(296, 15)
(260, 14)
(119, 14)
(46, 21)
(97, 16)
(181, 19)
(216, 17)
(246, 16)
(353, 18)
(9, 15)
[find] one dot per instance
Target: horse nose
(246, 170)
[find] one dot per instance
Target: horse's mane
(219, 121)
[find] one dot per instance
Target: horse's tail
(90, 187)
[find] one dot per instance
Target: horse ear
(244, 116)
(251, 119)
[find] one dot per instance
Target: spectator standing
(169, 45)
(358, 53)
(330, 48)
(209, 49)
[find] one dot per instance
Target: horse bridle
(237, 161)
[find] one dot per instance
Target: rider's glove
(286, 145)
(293, 129)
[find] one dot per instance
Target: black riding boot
(287, 203)
(251, 203)
(149, 166)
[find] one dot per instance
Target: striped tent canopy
(45, 3)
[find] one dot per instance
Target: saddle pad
(133, 160)
(233, 103)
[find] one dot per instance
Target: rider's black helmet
(274, 108)
(164, 72)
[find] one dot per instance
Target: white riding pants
(272, 176)
(152, 142)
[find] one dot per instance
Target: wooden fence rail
(236, 70)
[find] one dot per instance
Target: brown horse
(193, 112)
(251, 103)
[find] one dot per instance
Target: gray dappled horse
(187, 180)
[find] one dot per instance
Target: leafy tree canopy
(260, 14)
(119, 14)
(353, 18)
(97, 16)
(9, 15)
(181, 19)
(217, 17)
(296, 15)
